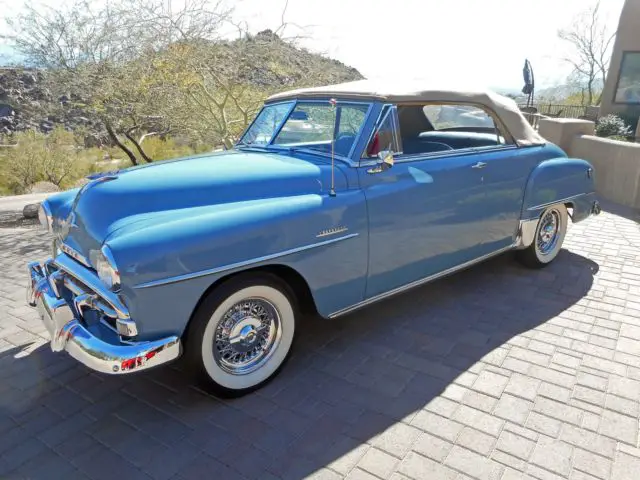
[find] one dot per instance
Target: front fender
(167, 266)
(560, 180)
(61, 203)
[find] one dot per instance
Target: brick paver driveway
(496, 373)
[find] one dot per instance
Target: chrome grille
(88, 292)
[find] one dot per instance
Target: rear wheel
(548, 239)
(241, 335)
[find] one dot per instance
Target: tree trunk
(114, 138)
(138, 147)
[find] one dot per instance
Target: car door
(505, 167)
(505, 178)
(422, 211)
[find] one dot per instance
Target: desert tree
(591, 42)
(84, 32)
(153, 67)
(101, 56)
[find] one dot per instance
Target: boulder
(6, 110)
(92, 140)
(31, 210)
(28, 78)
(44, 187)
(46, 126)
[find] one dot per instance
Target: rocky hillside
(27, 101)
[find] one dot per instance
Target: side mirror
(386, 157)
(385, 163)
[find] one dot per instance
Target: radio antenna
(333, 103)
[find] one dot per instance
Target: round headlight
(45, 217)
(106, 268)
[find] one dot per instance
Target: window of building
(628, 89)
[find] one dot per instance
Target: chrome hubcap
(548, 232)
(246, 336)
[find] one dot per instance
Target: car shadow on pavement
(629, 213)
(348, 382)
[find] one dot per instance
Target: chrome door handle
(479, 165)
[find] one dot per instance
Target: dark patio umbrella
(529, 82)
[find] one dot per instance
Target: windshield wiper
(304, 150)
(250, 145)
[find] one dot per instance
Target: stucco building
(622, 89)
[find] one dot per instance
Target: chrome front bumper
(68, 332)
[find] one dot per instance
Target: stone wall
(616, 164)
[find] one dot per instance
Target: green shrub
(631, 116)
(163, 149)
(60, 159)
(612, 126)
(38, 157)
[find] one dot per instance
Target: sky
(480, 42)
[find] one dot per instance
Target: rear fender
(568, 181)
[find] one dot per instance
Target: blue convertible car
(333, 198)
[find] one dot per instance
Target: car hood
(140, 196)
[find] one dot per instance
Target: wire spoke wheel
(241, 334)
(547, 241)
(548, 232)
(246, 336)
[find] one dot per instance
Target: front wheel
(241, 334)
(548, 239)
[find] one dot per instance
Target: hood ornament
(96, 176)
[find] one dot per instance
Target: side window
(433, 128)
(444, 117)
(386, 137)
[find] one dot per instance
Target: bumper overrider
(63, 291)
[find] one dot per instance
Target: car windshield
(310, 125)
(265, 125)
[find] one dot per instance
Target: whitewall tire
(548, 239)
(241, 335)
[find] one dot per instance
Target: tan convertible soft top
(398, 92)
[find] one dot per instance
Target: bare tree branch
(592, 45)
(138, 147)
(114, 138)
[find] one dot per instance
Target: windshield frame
(275, 132)
(294, 103)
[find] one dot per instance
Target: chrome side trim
(331, 231)
(526, 233)
(417, 283)
(562, 200)
(453, 153)
(246, 263)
